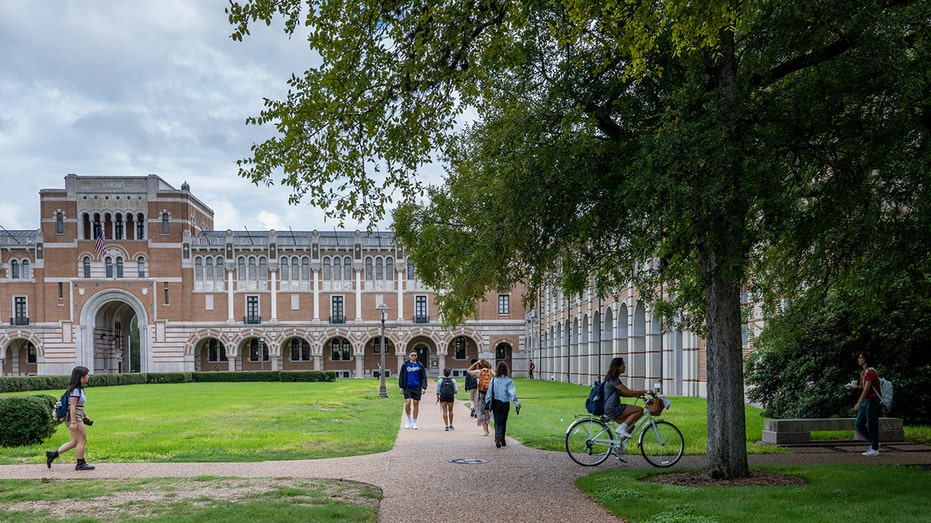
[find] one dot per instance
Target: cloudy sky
(132, 87)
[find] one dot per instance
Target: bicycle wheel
(661, 444)
(588, 442)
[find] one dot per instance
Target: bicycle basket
(655, 406)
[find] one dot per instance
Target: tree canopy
(687, 147)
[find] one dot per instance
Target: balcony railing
(337, 318)
(19, 320)
(252, 320)
(420, 318)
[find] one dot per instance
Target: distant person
(76, 420)
(501, 392)
(413, 383)
(868, 405)
(471, 386)
(614, 390)
(530, 369)
(446, 390)
(481, 369)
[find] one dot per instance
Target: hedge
(28, 383)
(26, 420)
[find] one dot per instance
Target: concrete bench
(794, 431)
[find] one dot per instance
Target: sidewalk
(433, 473)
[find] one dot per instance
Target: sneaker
(407, 424)
(82, 465)
(452, 428)
(871, 452)
(414, 424)
(447, 428)
(623, 434)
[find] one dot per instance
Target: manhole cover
(468, 461)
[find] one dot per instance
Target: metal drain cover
(468, 461)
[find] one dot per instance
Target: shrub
(27, 420)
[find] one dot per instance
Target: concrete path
(456, 475)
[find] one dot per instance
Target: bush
(169, 377)
(27, 420)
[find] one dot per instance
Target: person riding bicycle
(625, 415)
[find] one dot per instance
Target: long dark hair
(76, 374)
(502, 369)
(614, 369)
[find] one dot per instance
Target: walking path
(433, 473)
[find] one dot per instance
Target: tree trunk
(727, 440)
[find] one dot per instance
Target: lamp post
(382, 391)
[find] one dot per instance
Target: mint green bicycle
(591, 439)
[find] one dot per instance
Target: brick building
(127, 274)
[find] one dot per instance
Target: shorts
(412, 393)
(617, 412)
(447, 399)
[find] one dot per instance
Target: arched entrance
(115, 337)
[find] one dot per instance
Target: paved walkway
(420, 477)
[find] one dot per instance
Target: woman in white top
(76, 420)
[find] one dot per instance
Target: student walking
(471, 386)
(413, 383)
(76, 420)
(501, 392)
(868, 406)
(481, 369)
(446, 390)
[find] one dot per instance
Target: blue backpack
(60, 411)
(595, 404)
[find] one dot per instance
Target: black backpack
(446, 387)
(595, 404)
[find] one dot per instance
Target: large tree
(681, 146)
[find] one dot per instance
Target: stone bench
(795, 431)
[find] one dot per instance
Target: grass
(833, 493)
(230, 422)
(188, 500)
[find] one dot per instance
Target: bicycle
(591, 439)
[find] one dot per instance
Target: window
(285, 272)
(379, 269)
(254, 350)
(337, 312)
(300, 350)
(59, 223)
(30, 353)
(327, 271)
(252, 310)
(119, 266)
(165, 292)
(347, 268)
(164, 223)
(140, 227)
(389, 269)
(460, 344)
(14, 269)
(504, 304)
(61, 290)
(340, 349)
(26, 274)
(369, 275)
(337, 268)
(376, 345)
(87, 267)
(420, 310)
(20, 310)
(118, 230)
(108, 263)
(216, 351)
(410, 271)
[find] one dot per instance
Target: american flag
(99, 246)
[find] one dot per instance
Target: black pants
(500, 410)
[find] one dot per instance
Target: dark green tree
(685, 147)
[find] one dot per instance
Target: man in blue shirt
(413, 383)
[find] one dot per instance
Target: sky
(131, 88)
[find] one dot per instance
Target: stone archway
(105, 344)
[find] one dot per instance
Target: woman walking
(501, 392)
(481, 369)
(76, 420)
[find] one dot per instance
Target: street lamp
(382, 391)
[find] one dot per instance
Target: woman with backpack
(481, 369)
(614, 389)
(446, 390)
(76, 420)
(867, 405)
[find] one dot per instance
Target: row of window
(294, 268)
(339, 349)
(20, 270)
(113, 266)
